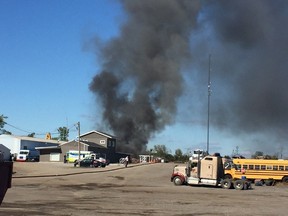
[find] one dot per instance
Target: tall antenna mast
(209, 94)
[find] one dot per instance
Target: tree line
(163, 152)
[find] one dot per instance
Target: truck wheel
(177, 181)
(239, 185)
(285, 179)
(226, 184)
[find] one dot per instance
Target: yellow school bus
(258, 169)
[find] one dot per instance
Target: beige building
(95, 141)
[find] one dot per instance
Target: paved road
(138, 190)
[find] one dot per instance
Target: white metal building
(16, 143)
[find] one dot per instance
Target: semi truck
(28, 155)
(206, 171)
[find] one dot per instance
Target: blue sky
(46, 68)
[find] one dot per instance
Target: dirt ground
(136, 190)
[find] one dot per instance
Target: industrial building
(17, 143)
(95, 141)
(53, 150)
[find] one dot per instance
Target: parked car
(88, 162)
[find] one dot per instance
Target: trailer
(206, 171)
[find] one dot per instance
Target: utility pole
(209, 94)
(78, 128)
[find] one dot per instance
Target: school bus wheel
(285, 179)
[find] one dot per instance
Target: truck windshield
(24, 152)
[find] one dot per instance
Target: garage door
(54, 156)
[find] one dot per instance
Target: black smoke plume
(252, 64)
(141, 77)
(142, 73)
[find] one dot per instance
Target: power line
(30, 132)
(18, 128)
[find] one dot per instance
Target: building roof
(65, 143)
(98, 132)
(33, 139)
(47, 147)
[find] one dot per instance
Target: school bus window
(245, 167)
(275, 167)
(236, 166)
(269, 167)
(251, 167)
(281, 167)
(286, 168)
(257, 167)
(263, 167)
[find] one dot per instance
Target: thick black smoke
(141, 76)
(252, 64)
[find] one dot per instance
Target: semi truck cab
(207, 171)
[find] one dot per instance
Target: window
(275, 167)
(251, 167)
(245, 167)
(269, 167)
(281, 167)
(263, 167)
(194, 164)
(257, 167)
(286, 168)
(228, 165)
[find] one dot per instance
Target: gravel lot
(136, 190)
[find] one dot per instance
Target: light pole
(78, 128)
(209, 94)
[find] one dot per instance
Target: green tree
(2, 124)
(63, 133)
(257, 154)
(227, 157)
(178, 155)
(271, 157)
(31, 135)
(169, 157)
(160, 150)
